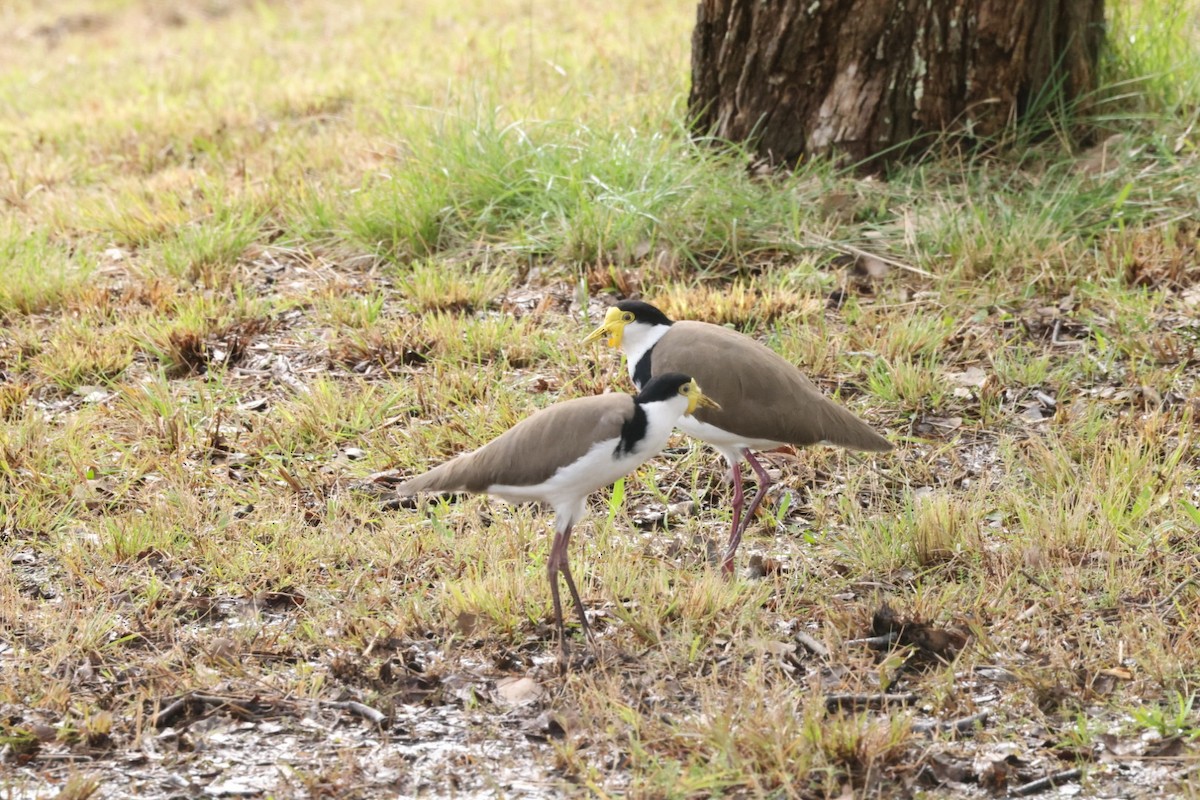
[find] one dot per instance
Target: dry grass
(258, 253)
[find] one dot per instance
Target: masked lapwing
(765, 402)
(563, 453)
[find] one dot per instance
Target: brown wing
(762, 396)
(532, 450)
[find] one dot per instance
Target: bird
(765, 401)
(564, 452)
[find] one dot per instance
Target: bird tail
(848, 431)
(867, 441)
(438, 479)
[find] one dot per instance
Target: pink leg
(583, 623)
(735, 535)
(552, 570)
(764, 482)
(735, 538)
(555, 564)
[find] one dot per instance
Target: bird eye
(627, 316)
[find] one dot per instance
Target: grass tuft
(39, 276)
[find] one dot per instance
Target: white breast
(726, 443)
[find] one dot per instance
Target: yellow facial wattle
(698, 399)
(613, 328)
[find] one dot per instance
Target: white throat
(661, 418)
(636, 341)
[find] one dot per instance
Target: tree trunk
(863, 78)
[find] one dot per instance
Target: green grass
(255, 254)
(40, 275)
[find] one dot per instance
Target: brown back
(532, 450)
(762, 395)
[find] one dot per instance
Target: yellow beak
(698, 399)
(613, 328)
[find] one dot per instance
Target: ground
(265, 259)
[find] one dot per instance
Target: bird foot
(576, 662)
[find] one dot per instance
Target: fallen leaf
(653, 515)
(947, 768)
(936, 425)
(539, 385)
(941, 644)
(774, 647)
(971, 376)
(547, 725)
(259, 404)
(518, 691)
(996, 766)
(1033, 413)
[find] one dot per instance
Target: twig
(281, 371)
(240, 706)
(1166, 601)
(358, 709)
(167, 715)
(833, 702)
(73, 757)
(1034, 581)
(1045, 399)
(387, 423)
(1054, 340)
(964, 725)
(244, 707)
(397, 501)
(876, 641)
(855, 251)
(177, 706)
(219, 700)
(994, 672)
(1048, 782)
(812, 644)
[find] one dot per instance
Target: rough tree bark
(867, 78)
